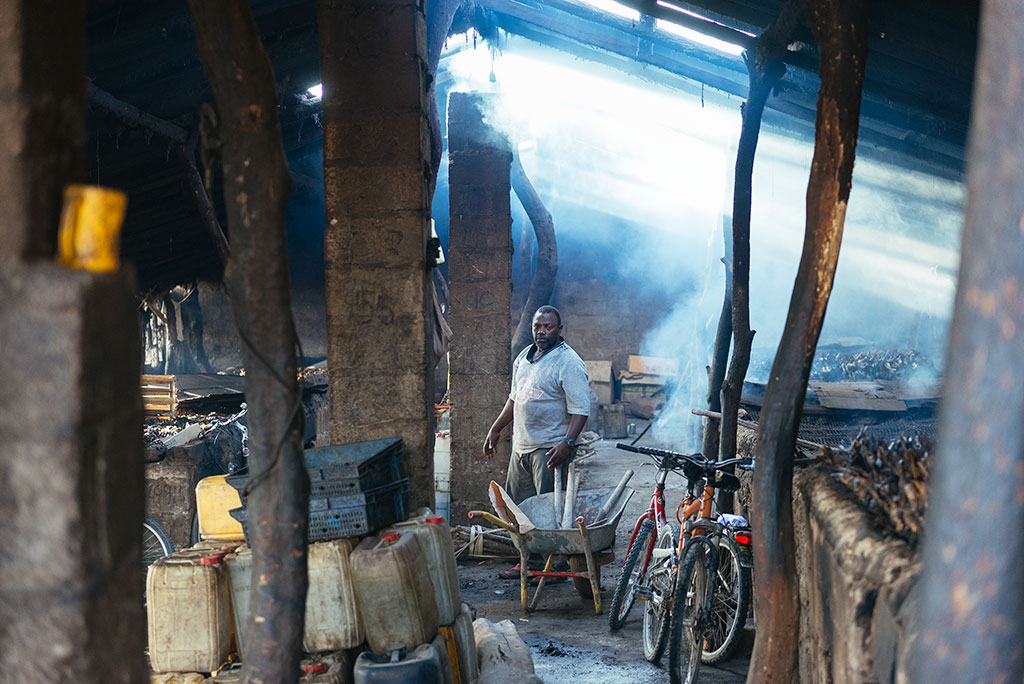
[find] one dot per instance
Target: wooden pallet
(159, 396)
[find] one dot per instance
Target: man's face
(546, 331)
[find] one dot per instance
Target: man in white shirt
(548, 407)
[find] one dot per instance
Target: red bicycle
(652, 525)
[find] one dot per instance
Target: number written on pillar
(371, 308)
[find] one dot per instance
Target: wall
(857, 586)
(604, 318)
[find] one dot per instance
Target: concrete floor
(568, 641)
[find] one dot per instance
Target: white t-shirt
(546, 392)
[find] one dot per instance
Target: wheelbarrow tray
(549, 539)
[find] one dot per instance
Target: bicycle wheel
(659, 583)
(729, 604)
(156, 543)
(688, 620)
(633, 572)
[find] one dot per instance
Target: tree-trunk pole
(256, 187)
(765, 68)
(763, 76)
(972, 606)
(439, 17)
(542, 286)
(840, 30)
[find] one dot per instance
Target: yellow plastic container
(214, 498)
(90, 228)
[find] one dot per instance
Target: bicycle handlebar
(696, 459)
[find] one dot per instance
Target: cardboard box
(634, 385)
(653, 365)
(600, 373)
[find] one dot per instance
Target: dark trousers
(529, 475)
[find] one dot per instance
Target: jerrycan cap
(212, 559)
(391, 538)
(436, 520)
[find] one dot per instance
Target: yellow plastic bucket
(90, 228)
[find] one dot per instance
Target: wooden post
(972, 607)
(765, 68)
(840, 30)
(256, 187)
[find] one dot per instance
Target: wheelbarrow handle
(491, 519)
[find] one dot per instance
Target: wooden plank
(856, 396)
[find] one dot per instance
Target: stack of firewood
(482, 543)
(890, 478)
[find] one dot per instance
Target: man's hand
(490, 443)
(558, 454)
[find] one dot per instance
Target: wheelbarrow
(534, 529)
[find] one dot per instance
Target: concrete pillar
(42, 105)
(70, 409)
(376, 154)
(480, 265)
(71, 494)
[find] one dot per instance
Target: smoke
(638, 177)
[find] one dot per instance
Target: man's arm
(503, 419)
(558, 453)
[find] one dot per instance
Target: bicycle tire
(632, 576)
(660, 580)
(729, 605)
(687, 630)
(156, 543)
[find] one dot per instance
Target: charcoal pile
(844, 365)
(890, 478)
(840, 366)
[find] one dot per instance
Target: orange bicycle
(699, 584)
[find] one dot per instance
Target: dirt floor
(568, 641)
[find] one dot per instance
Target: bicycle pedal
(644, 594)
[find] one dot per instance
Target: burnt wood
(542, 285)
(840, 30)
(256, 187)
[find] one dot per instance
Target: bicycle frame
(655, 512)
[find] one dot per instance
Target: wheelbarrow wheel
(578, 563)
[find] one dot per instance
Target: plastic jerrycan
(188, 610)
(332, 616)
(435, 540)
(421, 666)
(394, 593)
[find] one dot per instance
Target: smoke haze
(638, 174)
